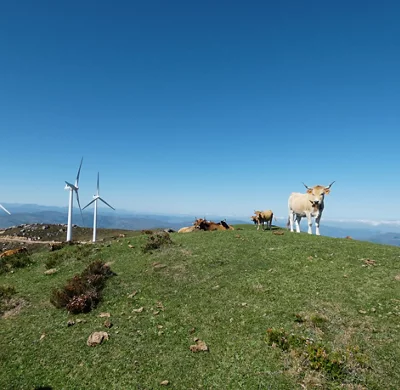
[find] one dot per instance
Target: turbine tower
(95, 199)
(73, 188)
(2, 207)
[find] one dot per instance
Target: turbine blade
(106, 203)
(79, 172)
(79, 204)
(1, 206)
(88, 204)
(98, 187)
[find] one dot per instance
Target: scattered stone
(50, 271)
(97, 338)
(164, 383)
(70, 323)
(133, 294)
(199, 346)
(101, 315)
(108, 324)
(138, 310)
(157, 265)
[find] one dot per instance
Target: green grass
(230, 287)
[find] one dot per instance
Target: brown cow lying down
(12, 252)
(211, 226)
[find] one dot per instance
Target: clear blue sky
(202, 107)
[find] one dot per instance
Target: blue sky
(202, 107)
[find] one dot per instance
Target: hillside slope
(227, 289)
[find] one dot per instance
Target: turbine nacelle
(69, 186)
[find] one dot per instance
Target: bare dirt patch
(12, 307)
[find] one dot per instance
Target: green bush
(156, 241)
(82, 293)
(17, 260)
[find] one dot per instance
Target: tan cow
(310, 205)
(187, 229)
(263, 216)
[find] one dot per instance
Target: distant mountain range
(385, 232)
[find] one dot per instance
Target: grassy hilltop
(276, 312)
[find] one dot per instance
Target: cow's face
(317, 194)
(197, 222)
(254, 219)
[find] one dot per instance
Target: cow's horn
(306, 186)
(330, 184)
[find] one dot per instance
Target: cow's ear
(309, 191)
(327, 191)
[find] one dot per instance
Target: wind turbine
(95, 199)
(2, 207)
(73, 188)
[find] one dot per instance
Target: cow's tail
(288, 222)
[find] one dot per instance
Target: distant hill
(104, 221)
(386, 233)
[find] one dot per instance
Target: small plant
(82, 293)
(51, 261)
(19, 259)
(318, 319)
(146, 231)
(284, 340)
(156, 241)
(335, 365)
(6, 293)
(332, 363)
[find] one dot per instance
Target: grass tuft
(82, 293)
(20, 259)
(157, 241)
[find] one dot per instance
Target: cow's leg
(317, 225)
(298, 220)
(258, 225)
(309, 220)
(291, 217)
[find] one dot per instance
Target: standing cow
(310, 205)
(263, 216)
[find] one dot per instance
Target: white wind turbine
(2, 207)
(95, 199)
(73, 188)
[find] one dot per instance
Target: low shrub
(156, 241)
(336, 365)
(6, 293)
(17, 260)
(82, 293)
